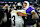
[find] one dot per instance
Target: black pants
(9, 21)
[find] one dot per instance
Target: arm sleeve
(32, 11)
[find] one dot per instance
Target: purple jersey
(29, 10)
(29, 17)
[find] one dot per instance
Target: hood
(27, 5)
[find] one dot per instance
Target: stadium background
(1, 1)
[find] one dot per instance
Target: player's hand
(19, 14)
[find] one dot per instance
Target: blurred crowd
(5, 13)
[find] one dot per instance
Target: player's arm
(21, 14)
(25, 15)
(34, 14)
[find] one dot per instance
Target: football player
(38, 12)
(17, 21)
(30, 13)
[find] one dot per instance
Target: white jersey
(18, 19)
